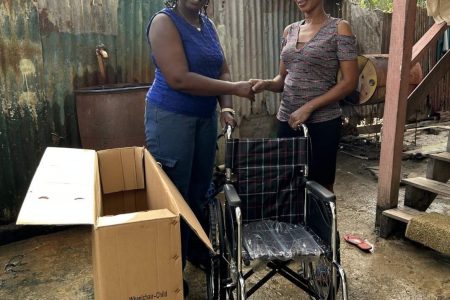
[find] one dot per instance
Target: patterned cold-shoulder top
(312, 69)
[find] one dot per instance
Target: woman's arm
(349, 70)
(169, 54)
(276, 84)
(225, 101)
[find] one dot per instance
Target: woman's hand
(227, 118)
(259, 85)
(244, 89)
(299, 116)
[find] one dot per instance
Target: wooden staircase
(420, 192)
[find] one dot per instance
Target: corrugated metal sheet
(24, 131)
(47, 49)
(251, 32)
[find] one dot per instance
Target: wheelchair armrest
(320, 192)
(231, 195)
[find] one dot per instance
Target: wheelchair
(270, 212)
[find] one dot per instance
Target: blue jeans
(186, 148)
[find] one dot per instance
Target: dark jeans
(186, 147)
(325, 138)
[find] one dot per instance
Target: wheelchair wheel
(218, 275)
(212, 276)
(320, 278)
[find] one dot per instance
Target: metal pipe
(306, 135)
(228, 132)
(306, 170)
(333, 246)
(240, 280)
(101, 53)
(343, 279)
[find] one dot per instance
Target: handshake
(248, 89)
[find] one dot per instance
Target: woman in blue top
(180, 119)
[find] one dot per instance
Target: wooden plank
(428, 149)
(369, 129)
(448, 143)
(444, 156)
(429, 38)
(400, 52)
(429, 185)
(410, 127)
(429, 82)
(402, 214)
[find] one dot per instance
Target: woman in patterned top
(313, 51)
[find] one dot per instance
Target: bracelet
(228, 109)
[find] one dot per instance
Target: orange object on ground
(358, 242)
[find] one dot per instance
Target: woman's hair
(173, 3)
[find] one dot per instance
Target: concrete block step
(444, 156)
(402, 214)
(429, 185)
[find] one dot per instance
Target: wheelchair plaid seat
(269, 178)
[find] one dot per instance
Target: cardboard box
(134, 210)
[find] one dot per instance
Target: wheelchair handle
(305, 129)
(227, 131)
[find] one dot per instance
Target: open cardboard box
(135, 211)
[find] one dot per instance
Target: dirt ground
(58, 265)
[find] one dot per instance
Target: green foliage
(384, 5)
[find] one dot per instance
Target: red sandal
(358, 242)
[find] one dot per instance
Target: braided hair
(173, 4)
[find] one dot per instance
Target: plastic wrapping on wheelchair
(271, 240)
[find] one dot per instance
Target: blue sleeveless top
(204, 56)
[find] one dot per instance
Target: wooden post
(400, 51)
(448, 142)
(430, 37)
(429, 82)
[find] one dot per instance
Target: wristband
(228, 109)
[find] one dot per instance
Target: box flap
(134, 217)
(62, 190)
(121, 169)
(176, 203)
(138, 260)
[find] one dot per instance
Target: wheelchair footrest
(270, 240)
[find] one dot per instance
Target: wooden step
(444, 156)
(403, 214)
(429, 185)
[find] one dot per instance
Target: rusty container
(111, 116)
(372, 77)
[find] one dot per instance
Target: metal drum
(111, 116)
(372, 78)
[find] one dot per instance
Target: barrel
(111, 116)
(372, 78)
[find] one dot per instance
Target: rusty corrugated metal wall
(251, 32)
(47, 49)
